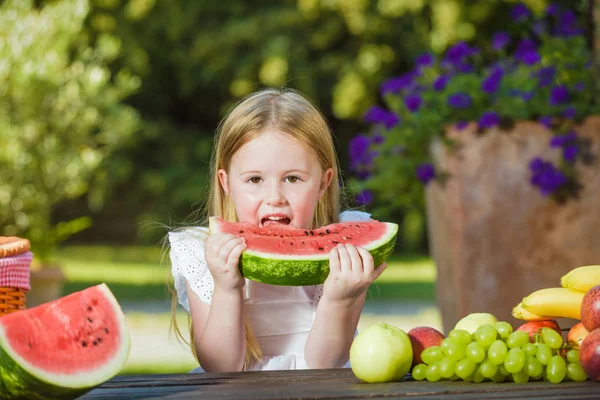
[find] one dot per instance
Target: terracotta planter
(47, 284)
(493, 236)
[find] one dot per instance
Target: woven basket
(11, 300)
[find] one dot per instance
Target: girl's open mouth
(275, 220)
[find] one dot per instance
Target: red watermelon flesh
(286, 239)
(75, 342)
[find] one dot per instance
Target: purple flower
(377, 139)
(460, 125)
(379, 115)
(567, 24)
(500, 40)
(569, 112)
(440, 83)
(413, 102)
(531, 57)
(546, 121)
(545, 176)
(520, 12)
(358, 147)
(425, 60)
(552, 9)
(364, 197)
(489, 119)
(526, 96)
(397, 84)
(563, 140)
(425, 173)
(570, 153)
(579, 86)
(457, 53)
(559, 95)
(527, 52)
(459, 100)
(546, 75)
(491, 84)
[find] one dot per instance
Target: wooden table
(323, 384)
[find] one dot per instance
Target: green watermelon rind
(21, 380)
(306, 270)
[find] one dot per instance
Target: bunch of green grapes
(497, 353)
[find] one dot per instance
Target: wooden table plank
(324, 384)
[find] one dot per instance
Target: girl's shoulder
(192, 233)
(354, 215)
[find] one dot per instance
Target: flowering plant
(540, 69)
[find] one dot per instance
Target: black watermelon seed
(291, 243)
(281, 236)
(95, 343)
(320, 233)
(106, 330)
(327, 231)
(89, 309)
(240, 231)
(320, 249)
(83, 343)
(358, 226)
(99, 339)
(306, 233)
(312, 233)
(89, 319)
(335, 242)
(302, 242)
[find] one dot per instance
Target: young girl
(273, 162)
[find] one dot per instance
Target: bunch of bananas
(559, 302)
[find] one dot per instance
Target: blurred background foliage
(111, 105)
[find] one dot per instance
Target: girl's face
(273, 179)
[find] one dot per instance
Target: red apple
(421, 338)
(589, 354)
(590, 309)
(576, 335)
(533, 327)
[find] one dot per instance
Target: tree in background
(61, 117)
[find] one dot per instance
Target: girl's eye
(254, 179)
(292, 179)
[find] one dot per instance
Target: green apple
(471, 322)
(381, 353)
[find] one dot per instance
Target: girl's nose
(275, 196)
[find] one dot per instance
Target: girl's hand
(351, 272)
(223, 252)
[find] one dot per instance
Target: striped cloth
(14, 271)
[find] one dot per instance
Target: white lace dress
(281, 316)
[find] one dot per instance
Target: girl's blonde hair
(286, 111)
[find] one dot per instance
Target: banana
(582, 278)
(556, 302)
(520, 313)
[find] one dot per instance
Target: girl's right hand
(223, 252)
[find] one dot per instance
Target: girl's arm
(329, 341)
(219, 334)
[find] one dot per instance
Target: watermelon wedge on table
(64, 348)
(285, 255)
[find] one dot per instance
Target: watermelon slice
(288, 256)
(64, 348)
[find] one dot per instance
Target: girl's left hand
(351, 272)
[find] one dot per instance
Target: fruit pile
(482, 348)
(497, 353)
(577, 298)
